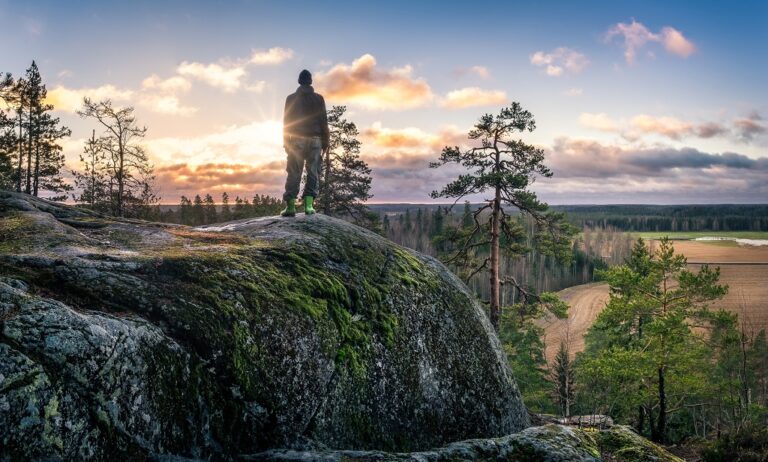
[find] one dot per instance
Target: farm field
(743, 268)
(697, 234)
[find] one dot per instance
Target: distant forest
(714, 217)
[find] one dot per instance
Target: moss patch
(624, 445)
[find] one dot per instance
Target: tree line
(682, 218)
(203, 210)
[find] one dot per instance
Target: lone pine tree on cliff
(506, 168)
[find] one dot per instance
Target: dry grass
(747, 294)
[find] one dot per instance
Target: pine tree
(8, 139)
(30, 138)
(507, 167)
(185, 211)
(643, 339)
(346, 179)
(562, 372)
(226, 212)
(209, 206)
(198, 213)
(92, 182)
(44, 157)
(239, 212)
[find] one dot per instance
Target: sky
(635, 102)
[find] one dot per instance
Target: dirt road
(585, 303)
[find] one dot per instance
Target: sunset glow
(633, 103)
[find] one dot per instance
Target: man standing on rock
(305, 139)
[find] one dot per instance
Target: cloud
(591, 159)
(473, 96)
(166, 104)
(747, 128)
(364, 84)
(255, 161)
(710, 130)
(586, 171)
(559, 61)
(599, 121)
(274, 55)
(228, 77)
(635, 36)
(71, 100)
(480, 71)
(245, 179)
(744, 129)
(256, 142)
(161, 95)
(172, 84)
(412, 139)
(675, 43)
(670, 127)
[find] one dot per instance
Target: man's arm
(287, 119)
(324, 124)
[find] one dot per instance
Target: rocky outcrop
(305, 339)
(127, 339)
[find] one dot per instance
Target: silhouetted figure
(305, 138)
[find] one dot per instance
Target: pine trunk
(120, 185)
(495, 282)
(21, 147)
(28, 187)
(661, 430)
(324, 186)
(36, 176)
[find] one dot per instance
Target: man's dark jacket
(305, 115)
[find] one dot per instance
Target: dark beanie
(305, 77)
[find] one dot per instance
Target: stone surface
(549, 443)
(130, 340)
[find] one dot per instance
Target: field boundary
(729, 263)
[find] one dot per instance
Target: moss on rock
(622, 444)
(147, 339)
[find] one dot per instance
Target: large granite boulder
(123, 339)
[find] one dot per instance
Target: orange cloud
(184, 179)
(70, 99)
(473, 96)
(364, 84)
(670, 127)
(411, 138)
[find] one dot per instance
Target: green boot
(290, 209)
(308, 201)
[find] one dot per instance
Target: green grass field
(697, 234)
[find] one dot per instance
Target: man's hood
(305, 89)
